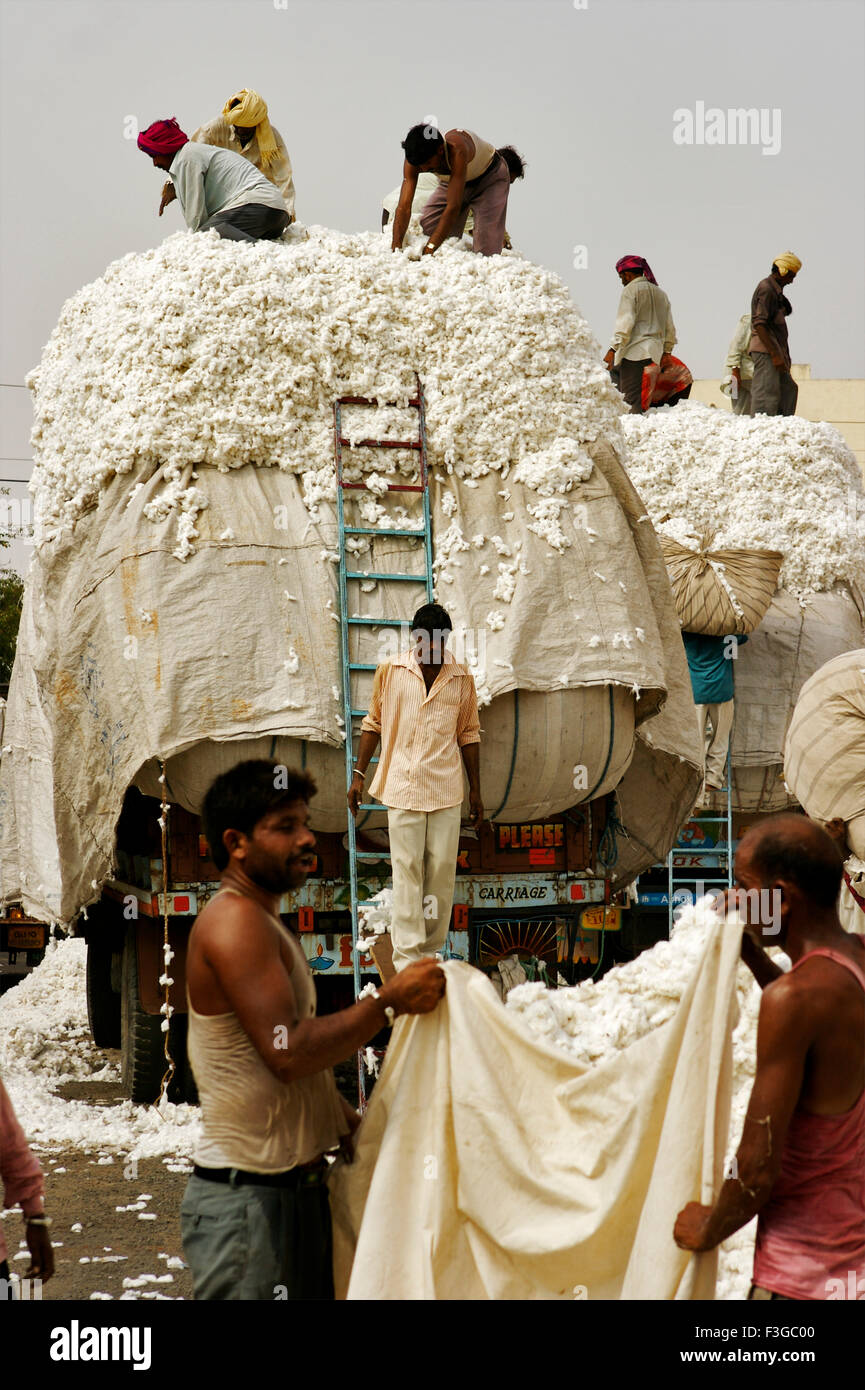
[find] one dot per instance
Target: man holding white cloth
(424, 708)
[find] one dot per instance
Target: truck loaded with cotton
(196, 408)
(182, 612)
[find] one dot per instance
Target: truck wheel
(103, 1003)
(142, 1057)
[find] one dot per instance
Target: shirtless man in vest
(801, 1160)
(471, 173)
(255, 1217)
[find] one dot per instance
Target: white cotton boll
(227, 534)
(640, 634)
(495, 621)
(292, 664)
(484, 569)
(479, 541)
(595, 640)
(166, 981)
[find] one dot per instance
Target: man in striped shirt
(424, 708)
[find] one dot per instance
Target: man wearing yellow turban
(773, 390)
(244, 127)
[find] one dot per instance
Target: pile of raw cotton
(779, 483)
(592, 1020)
(210, 352)
(45, 1043)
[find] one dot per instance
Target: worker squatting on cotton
(217, 189)
(244, 128)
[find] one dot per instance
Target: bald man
(801, 1159)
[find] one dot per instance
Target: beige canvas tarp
(491, 1165)
(793, 641)
(131, 656)
(824, 757)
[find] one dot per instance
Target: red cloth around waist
(812, 1230)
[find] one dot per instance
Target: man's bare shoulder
(229, 915)
(816, 985)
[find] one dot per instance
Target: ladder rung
(382, 531)
(382, 443)
(372, 400)
(391, 487)
(381, 574)
(380, 622)
(371, 761)
(359, 712)
(371, 854)
(361, 666)
(372, 806)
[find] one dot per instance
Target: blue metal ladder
(721, 878)
(353, 710)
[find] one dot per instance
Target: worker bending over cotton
(244, 128)
(471, 173)
(217, 189)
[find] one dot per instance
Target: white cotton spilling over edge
(775, 483)
(45, 1042)
(592, 1020)
(210, 352)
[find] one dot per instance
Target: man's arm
(469, 740)
(669, 336)
(370, 733)
(402, 216)
(243, 953)
(456, 189)
(784, 1035)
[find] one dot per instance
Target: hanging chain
(165, 979)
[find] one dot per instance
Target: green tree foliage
(11, 592)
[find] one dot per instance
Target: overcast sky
(587, 91)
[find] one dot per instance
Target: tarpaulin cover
(491, 1165)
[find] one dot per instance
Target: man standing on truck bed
(424, 708)
(773, 390)
(801, 1159)
(255, 1217)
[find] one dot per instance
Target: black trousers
(631, 382)
(251, 222)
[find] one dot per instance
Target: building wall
(840, 403)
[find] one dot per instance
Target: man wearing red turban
(644, 334)
(217, 189)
